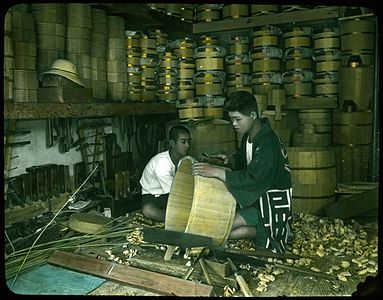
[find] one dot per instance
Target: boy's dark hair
(242, 101)
(175, 132)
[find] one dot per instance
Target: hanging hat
(66, 69)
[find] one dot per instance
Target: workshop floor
(361, 262)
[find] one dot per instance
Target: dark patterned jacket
(265, 184)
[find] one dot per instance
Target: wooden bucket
(199, 205)
(313, 177)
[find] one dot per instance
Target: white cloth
(158, 175)
(249, 151)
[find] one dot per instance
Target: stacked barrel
(167, 77)
(238, 65)
(24, 49)
(9, 59)
(208, 12)
(148, 65)
(116, 75)
(235, 11)
(50, 30)
(319, 129)
(161, 39)
(187, 12)
(166, 72)
(79, 39)
(298, 52)
(327, 61)
(210, 75)
(133, 54)
(184, 49)
(98, 53)
(353, 121)
(266, 58)
(188, 106)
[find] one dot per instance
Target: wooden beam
(163, 284)
(291, 18)
(27, 110)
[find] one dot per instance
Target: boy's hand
(203, 169)
(217, 159)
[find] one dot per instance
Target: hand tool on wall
(86, 145)
(27, 187)
(8, 151)
(17, 144)
(241, 281)
(82, 139)
(17, 132)
(49, 133)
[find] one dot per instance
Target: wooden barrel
(212, 136)
(352, 141)
(358, 38)
(208, 135)
(351, 162)
(352, 128)
(313, 177)
(356, 86)
(199, 205)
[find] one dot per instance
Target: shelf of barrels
(314, 78)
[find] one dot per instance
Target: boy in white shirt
(158, 175)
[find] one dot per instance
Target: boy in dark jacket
(259, 177)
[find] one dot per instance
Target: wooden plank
(311, 103)
(164, 284)
(318, 14)
(353, 204)
(27, 110)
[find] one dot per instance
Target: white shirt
(158, 175)
(249, 151)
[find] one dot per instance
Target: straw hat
(66, 69)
